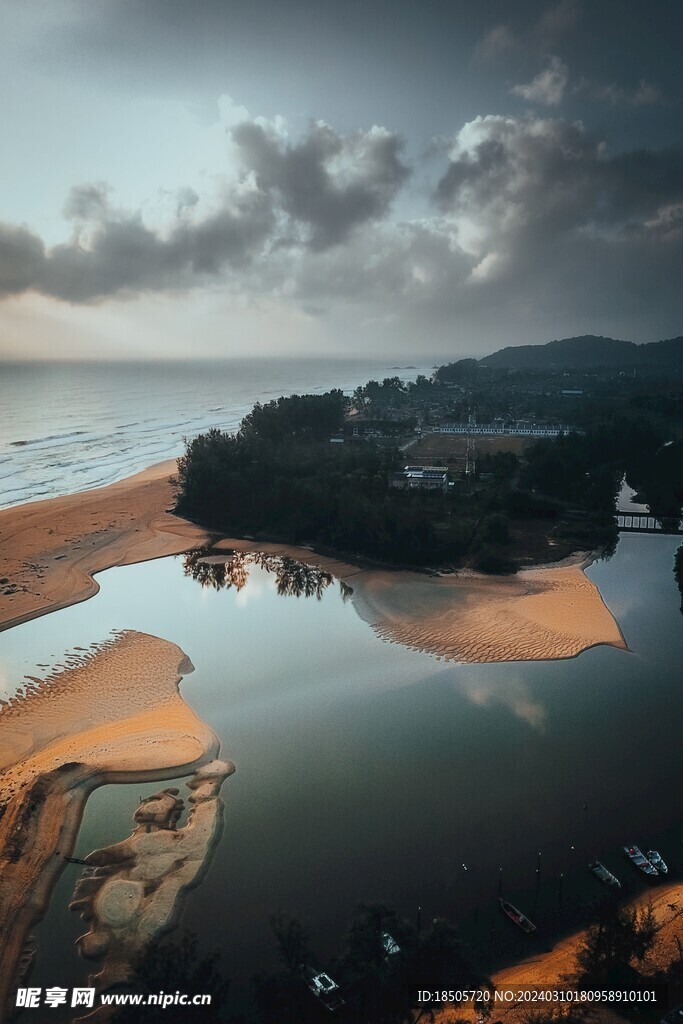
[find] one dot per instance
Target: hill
(589, 352)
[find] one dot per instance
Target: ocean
(67, 427)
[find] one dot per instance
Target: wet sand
(113, 714)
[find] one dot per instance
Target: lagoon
(366, 771)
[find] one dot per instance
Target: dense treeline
(280, 477)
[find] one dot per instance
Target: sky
(213, 178)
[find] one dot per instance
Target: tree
(460, 372)
(171, 967)
(617, 936)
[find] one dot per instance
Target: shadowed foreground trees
(383, 963)
(618, 936)
(172, 967)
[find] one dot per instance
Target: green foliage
(659, 480)
(522, 504)
(503, 466)
(279, 476)
(490, 560)
(494, 529)
(460, 372)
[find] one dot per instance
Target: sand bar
(114, 715)
(49, 551)
(539, 614)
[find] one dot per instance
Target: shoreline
(540, 614)
(58, 746)
(550, 969)
(51, 550)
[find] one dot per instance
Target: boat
(640, 861)
(601, 872)
(520, 919)
(323, 987)
(390, 946)
(655, 858)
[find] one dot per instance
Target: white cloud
(547, 87)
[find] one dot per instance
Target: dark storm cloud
(122, 255)
(21, 259)
(511, 174)
(538, 228)
(536, 225)
(315, 193)
(327, 182)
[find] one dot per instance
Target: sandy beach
(50, 550)
(552, 968)
(113, 714)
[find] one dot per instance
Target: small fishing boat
(389, 945)
(655, 858)
(601, 872)
(640, 861)
(322, 986)
(516, 916)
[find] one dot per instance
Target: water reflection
(292, 578)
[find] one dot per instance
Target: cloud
(511, 179)
(547, 87)
(514, 696)
(113, 252)
(327, 183)
(537, 38)
(87, 202)
(534, 224)
(311, 194)
(21, 259)
(643, 95)
(124, 255)
(557, 224)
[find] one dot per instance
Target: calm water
(369, 772)
(68, 426)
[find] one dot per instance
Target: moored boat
(655, 858)
(322, 986)
(606, 876)
(390, 946)
(640, 861)
(516, 916)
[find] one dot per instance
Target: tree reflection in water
(292, 578)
